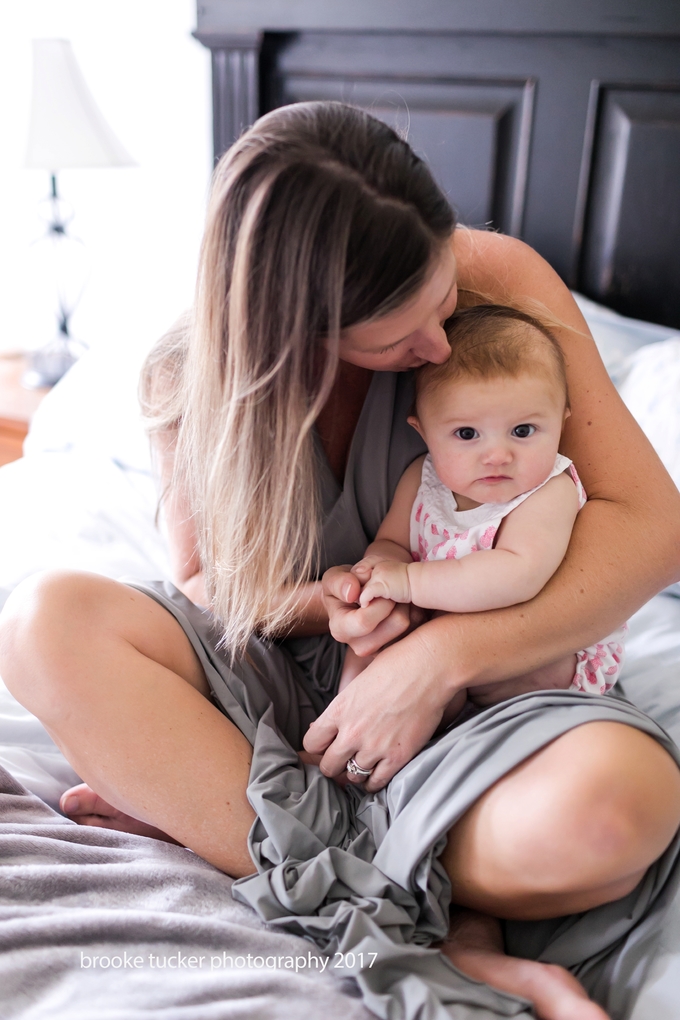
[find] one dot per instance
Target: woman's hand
(365, 629)
(315, 759)
(385, 716)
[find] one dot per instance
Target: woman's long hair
(320, 217)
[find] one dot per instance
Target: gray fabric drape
(383, 446)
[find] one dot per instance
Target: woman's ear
(413, 421)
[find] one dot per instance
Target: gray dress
(383, 446)
(359, 874)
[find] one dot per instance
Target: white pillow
(618, 337)
(651, 390)
(94, 409)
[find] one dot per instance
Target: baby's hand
(364, 568)
(389, 580)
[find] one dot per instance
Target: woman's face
(411, 335)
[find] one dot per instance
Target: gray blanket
(102, 925)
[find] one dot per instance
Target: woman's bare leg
(86, 807)
(574, 826)
(114, 679)
(475, 946)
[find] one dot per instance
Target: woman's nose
(432, 345)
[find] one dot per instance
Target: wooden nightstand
(17, 406)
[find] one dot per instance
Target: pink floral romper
(439, 531)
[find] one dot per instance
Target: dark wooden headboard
(557, 122)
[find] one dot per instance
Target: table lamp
(66, 131)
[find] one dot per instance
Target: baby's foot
(86, 807)
(475, 946)
(459, 706)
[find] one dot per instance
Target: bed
(84, 496)
(89, 917)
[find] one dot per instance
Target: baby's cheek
(538, 467)
(453, 469)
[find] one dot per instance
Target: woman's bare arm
(625, 547)
(185, 562)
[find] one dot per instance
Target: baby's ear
(414, 423)
(567, 413)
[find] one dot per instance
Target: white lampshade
(66, 127)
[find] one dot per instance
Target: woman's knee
(63, 633)
(45, 623)
(574, 825)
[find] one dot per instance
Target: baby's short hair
(489, 341)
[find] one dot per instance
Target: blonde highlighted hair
(320, 217)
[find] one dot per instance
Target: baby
(493, 483)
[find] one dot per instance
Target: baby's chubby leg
(352, 666)
(453, 710)
(556, 675)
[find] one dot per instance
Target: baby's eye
(467, 432)
(523, 431)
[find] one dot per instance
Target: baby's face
(492, 439)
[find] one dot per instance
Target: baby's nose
(499, 453)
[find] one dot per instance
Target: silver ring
(356, 770)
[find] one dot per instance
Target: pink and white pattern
(440, 531)
(598, 666)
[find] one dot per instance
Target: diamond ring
(356, 770)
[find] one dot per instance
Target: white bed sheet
(76, 510)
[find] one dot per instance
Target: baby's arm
(531, 545)
(393, 540)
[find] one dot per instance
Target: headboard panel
(563, 132)
(632, 237)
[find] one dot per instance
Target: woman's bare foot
(86, 807)
(475, 946)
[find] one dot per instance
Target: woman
(329, 264)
